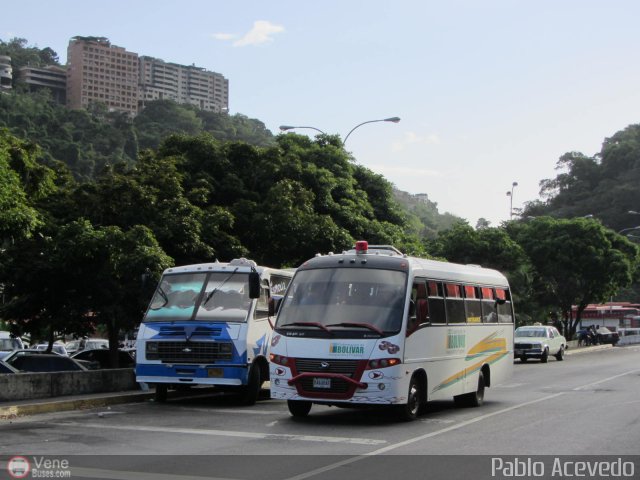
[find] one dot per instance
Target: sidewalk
(590, 348)
(12, 409)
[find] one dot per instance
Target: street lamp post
(510, 195)
(284, 128)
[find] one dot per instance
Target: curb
(592, 348)
(13, 411)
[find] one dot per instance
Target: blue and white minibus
(208, 324)
(373, 326)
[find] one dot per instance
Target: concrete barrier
(29, 386)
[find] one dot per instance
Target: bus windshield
(342, 299)
(216, 296)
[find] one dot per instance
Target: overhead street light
(510, 195)
(284, 128)
(391, 119)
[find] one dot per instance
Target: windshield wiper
(357, 324)
(163, 294)
(307, 324)
(210, 294)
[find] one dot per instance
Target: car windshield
(531, 332)
(340, 299)
(218, 296)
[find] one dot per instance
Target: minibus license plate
(321, 382)
(214, 373)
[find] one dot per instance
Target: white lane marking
(510, 385)
(388, 448)
(589, 385)
(230, 410)
(272, 424)
(228, 433)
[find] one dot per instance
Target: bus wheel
(161, 393)
(299, 408)
(250, 393)
(473, 399)
(409, 411)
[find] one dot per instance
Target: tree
(575, 262)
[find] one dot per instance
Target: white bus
(374, 326)
(208, 324)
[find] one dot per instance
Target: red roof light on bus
(362, 246)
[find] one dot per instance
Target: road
(588, 404)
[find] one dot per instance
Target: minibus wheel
(409, 411)
(250, 393)
(161, 392)
(299, 408)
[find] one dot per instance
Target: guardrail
(30, 386)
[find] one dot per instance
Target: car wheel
(545, 356)
(560, 354)
(299, 408)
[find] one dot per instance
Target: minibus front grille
(318, 365)
(344, 377)
(198, 332)
(191, 352)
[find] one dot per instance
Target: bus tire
(249, 394)
(161, 392)
(473, 399)
(299, 408)
(408, 412)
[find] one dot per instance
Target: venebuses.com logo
(38, 467)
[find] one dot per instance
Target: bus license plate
(321, 383)
(214, 373)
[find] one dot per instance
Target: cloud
(412, 138)
(224, 36)
(261, 32)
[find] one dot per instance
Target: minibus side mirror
(254, 284)
(274, 305)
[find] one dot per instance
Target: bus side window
(455, 304)
(488, 305)
(262, 304)
(436, 302)
(419, 311)
(472, 304)
(505, 313)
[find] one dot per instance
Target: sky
(489, 92)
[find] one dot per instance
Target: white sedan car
(539, 341)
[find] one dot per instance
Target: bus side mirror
(412, 308)
(274, 305)
(254, 285)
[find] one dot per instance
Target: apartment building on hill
(100, 72)
(183, 84)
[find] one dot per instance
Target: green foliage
(575, 262)
(604, 185)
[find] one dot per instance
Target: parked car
(99, 358)
(9, 343)
(86, 344)
(39, 361)
(6, 368)
(605, 335)
(539, 341)
(57, 348)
